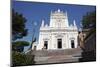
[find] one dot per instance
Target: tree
(89, 20)
(18, 26)
(18, 32)
(89, 28)
(19, 45)
(20, 59)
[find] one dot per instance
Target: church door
(59, 42)
(72, 44)
(46, 44)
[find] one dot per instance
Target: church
(59, 34)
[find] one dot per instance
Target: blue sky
(34, 12)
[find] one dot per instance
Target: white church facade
(59, 34)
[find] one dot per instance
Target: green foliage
(89, 20)
(19, 31)
(20, 59)
(18, 26)
(19, 45)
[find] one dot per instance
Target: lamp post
(33, 37)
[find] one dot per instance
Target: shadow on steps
(88, 56)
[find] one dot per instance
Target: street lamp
(33, 38)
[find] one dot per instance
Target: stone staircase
(57, 56)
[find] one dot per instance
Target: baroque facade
(59, 34)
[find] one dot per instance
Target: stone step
(57, 56)
(75, 51)
(56, 59)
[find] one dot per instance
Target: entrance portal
(72, 44)
(46, 44)
(59, 42)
